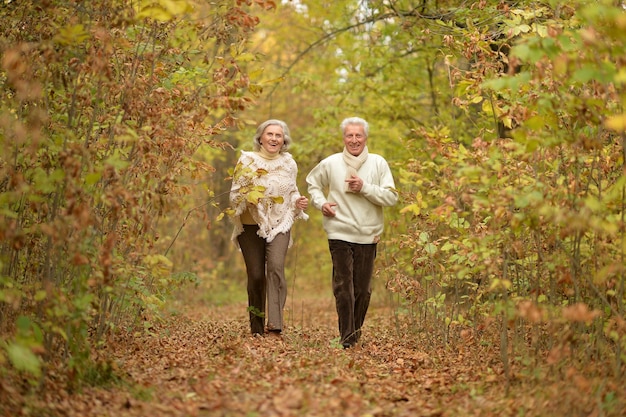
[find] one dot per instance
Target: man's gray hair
(355, 121)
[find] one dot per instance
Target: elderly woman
(265, 201)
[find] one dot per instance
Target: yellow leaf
(156, 13)
(71, 35)
(412, 208)
(487, 107)
(176, 7)
(617, 122)
(254, 196)
(159, 265)
(163, 10)
(500, 284)
(245, 57)
(274, 81)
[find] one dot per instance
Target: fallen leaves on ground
(203, 362)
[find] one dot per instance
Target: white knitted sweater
(278, 176)
(359, 216)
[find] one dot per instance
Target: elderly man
(358, 186)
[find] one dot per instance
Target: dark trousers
(265, 266)
(353, 266)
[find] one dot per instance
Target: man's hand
(355, 184)
(328, 209)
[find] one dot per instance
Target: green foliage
(526, 229)
(21, 351)
(255, 311)
(101, 374)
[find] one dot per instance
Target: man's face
(354, 138)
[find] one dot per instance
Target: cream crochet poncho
(278, 176)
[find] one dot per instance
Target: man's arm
(316, 184)
(384, 193)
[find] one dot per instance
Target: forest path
(202, 361)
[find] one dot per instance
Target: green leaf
(527, 53)
(520, 29)
(430, 249)
(45, 181)
(514, 83)
(23, 359)
(447, 246)
(116, 160)
(92, 178)
(586, 74)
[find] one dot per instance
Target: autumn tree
(104, 105)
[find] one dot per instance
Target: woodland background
(503, 123)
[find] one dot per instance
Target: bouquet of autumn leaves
(246, 189)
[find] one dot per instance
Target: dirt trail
(202, 361)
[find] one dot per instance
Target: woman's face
(354, 138)
(272, 139)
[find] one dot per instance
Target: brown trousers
(265, 265)
(353, 266)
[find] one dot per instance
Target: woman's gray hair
(271, 122)
(355, 121)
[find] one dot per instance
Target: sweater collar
(266, 155)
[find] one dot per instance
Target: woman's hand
(302, 203)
